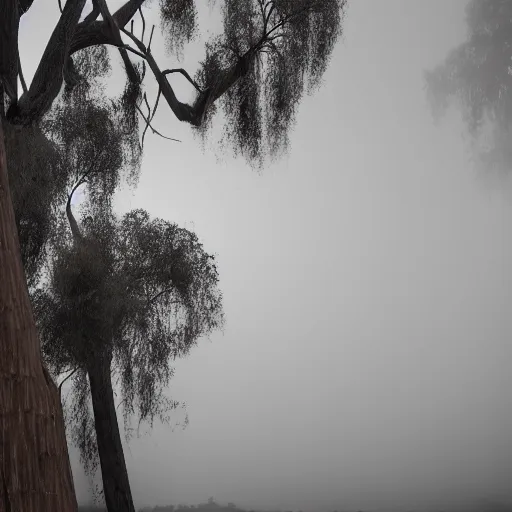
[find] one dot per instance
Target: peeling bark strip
(116, 485)
(34, 462)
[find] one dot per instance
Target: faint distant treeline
(210, 506)
(482, 505)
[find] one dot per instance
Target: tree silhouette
(476, 76)
(270, 53)
(124, 299)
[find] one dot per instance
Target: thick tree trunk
(35, 474)
(116, 485)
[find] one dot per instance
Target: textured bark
(9, 23)
(98, 32)
(35, 473)
(116, 485)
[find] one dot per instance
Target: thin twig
(147, 104)
(151, 38)
(270, 11)
(156, 132)
(60, 6)
(22, 78)
(140, 45)
(70, 375)
(151, 115)
(159, 294)
(143, 24)
(130, 49)
(185, 74)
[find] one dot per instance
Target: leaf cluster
(285, 47)
(144, 290)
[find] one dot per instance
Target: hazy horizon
(365, 361)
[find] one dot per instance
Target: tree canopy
(476, 76)
(133, 292)
(269, 54)
(141, 289)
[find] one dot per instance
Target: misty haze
(365, 359)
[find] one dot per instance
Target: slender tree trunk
(35, 473)
(116, 485)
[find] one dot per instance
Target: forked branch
(186, 75)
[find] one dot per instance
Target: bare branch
(147, 103)
(75, 230)
(92, 16)
(116, 34)
(185, 74)
(182, 111)
(69, 376)
(20, 72)
(143, 24)
(91, 34)
(25, 5)
(156, 132)
(267, 19)
(47, 79)
(60, 6)
(158, 295)
(151, 38)
(130, 49)
(151, 116)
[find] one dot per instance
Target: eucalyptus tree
(124, 298)
(120, 297)
(269, 54)
(476, 77)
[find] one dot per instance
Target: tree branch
(185, 74)
(20, 72)
(70, 375)
(92, 16)
(47, 79)
(159, 294)
(151, 116)
(75, 230)
(73, 224)
(25, 5)
(97, 32)
(151, 37)
(143, 24)
(148, 122)
(133, 76)
(181, 110)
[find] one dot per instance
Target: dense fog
(365, 363)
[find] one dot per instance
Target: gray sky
(367, 281)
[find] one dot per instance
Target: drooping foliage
(270, 54)
(38, 183)
(283, 48)
(476, 77)
(143, 289)
(179, 23)
(86, 138)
